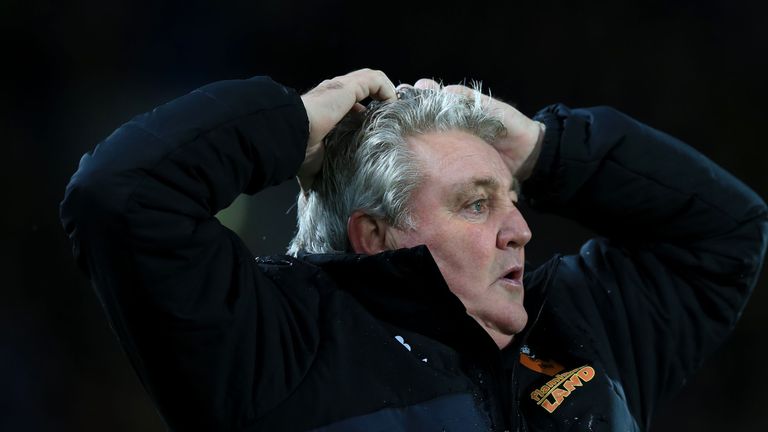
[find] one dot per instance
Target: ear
(367, 234)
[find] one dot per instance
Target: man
(404, 306)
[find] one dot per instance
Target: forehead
(456, 160)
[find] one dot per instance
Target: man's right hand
(328, 103)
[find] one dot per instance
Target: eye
(479, 206)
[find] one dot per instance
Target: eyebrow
(488, 183)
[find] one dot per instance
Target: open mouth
(515, 276)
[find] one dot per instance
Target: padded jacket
(223, 340)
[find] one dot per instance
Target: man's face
(465, 213)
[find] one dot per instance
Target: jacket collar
(405, 288)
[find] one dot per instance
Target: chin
(516, 320)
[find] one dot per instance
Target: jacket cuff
(541, 187)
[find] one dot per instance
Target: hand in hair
(329, 102)
(520, 147)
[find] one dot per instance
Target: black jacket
(225, 341)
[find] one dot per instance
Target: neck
(501, 339)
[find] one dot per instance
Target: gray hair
(369, 166)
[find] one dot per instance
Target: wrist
(537, 140)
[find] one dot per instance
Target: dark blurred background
(74, 71)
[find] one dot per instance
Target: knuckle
(332, 84)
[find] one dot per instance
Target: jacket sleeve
(196, 316)
(680, 248)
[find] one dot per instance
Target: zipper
(510, 392)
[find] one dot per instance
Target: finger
(402, 86)
(459, 89)
(426, 83)
(386, 90)
(358, 107)
(468, 93)
(371, 83)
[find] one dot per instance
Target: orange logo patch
(546, 367)
(551, 395)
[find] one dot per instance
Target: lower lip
(512, 283)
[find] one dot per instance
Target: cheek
(474, 242)
(408, 239)
(457, 240)
(465, 257)
(463, 251)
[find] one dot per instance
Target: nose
(513, 231)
